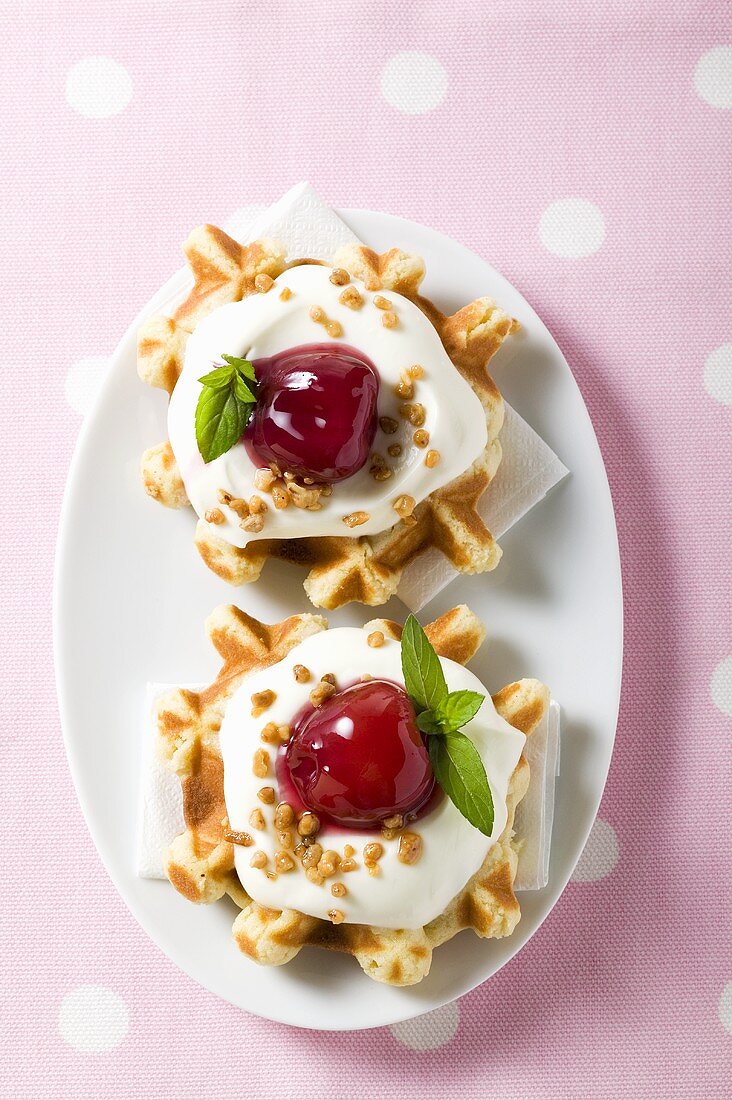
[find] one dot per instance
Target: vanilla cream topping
(401, 895)
(262, 325)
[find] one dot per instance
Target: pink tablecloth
(584, 149)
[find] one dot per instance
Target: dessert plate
(131, 596)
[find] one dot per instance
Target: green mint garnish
(225, 406)
(441, 713)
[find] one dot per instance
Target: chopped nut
(328, 678)
(389, 319)
(263, 283)
(404, 505)
(266, 795)
(320, 693)
(308, 824)
(410, 848)
(261, 701)
(264, 480)
(274, 468)
(432, 458)
(339, 276)
(215, 515)
(253, 524)
(405, 389)
(396, 821)
(284, 816)
(348, 850)
(271, 875)
(280, 496)
(305, 496)
(284, 732)
(338, 890)
(260, 766)
(336, 916)
(312, 855)
(349, 865)
(389, 834)
(329, 863)
(421, 437)
(301, 849)
(270, 734)
(284, 862)
(285, 294)
(372, 869)
(258, 860)
(351, 298)
(366, 677)
(373, 852)
(334, 329)
(394, 449)
(388, 425)
(301, 673)
(314, 876)
(355, 519)
(376, 639)
(416, 371)
(256, 820)
(286, 839)
(381, 473)
(382, 303)
(257, 505)
(237, 505)
(414, 413)
(317, 314)
(234, 837)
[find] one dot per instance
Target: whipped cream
(401, 895)
(263, 325)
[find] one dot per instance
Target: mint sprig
(441, 714)
(225, 405)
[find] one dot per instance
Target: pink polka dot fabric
(584, 149)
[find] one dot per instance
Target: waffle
(200, 862)
(341, 569)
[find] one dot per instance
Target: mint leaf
(459, 770)
(457, 709)
(428, 723)
(243, 366)
(242, 391)
(219, 378)
(423, 675)
(220, 421)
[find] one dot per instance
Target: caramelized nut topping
(376, 639)
(421, 437)
(280, 496)
(388, 425)
(308, 824)
(285, 294)
(432, 458)
(284, 862)
(301, 673)
(416, 371)
(334, 329)
(257, 505)
(264, 480)
(382, 303)
(254, 524)
(394, 449)
(258, 860)
(355, 519)
(260, 766)
(234, 837)
(286, 839)
(396, 821)
(266, 795)
(348, 850)
(351, 298)
(215, 515)
(284, 816)
(263, 283)
(238, 506)
(314, 876)
(373, 852)
(312, 855)
(328, 678)
(256, 820)
(410, 848)
(329, 863)
(285, 733)
(404, 505)
(339, 276)
(338, 890)
(405, 389)
(414, 413)
(336, 916)
(349, 865)
(320, 693)
(317, 314)
(389, 319)
(270, 734)
(261, 701)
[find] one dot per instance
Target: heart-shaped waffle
(341, 569)
(200, 862)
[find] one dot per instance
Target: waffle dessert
(363, 566)
(201, 861)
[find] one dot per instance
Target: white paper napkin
(160, 816)
(307, 226)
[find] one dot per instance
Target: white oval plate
(132, 594)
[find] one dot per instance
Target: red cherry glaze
(316, 411)
(359, 758)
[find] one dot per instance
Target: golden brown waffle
(200, 862)
(340, 569)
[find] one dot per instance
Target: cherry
(316, 411)
(359, 758)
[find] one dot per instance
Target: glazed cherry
(359, 758)
(316, 413)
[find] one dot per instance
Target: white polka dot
(718, 374)
(98, 87)
(722, 686)
(725, 1008)
(428, 1032)
(83, 380)
(414, 82)
(572, 228)
(600, 854)
(713, 76)
(238, 223)
(92, 1019)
